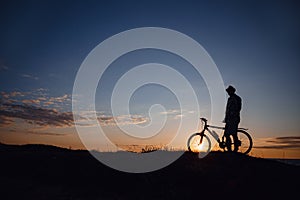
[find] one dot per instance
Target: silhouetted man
(232, 118)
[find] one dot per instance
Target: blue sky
(255, 45)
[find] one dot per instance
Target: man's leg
(231, 129)
(236, 142)
(228, 142)
(227, 133)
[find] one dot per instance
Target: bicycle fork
(201, 139)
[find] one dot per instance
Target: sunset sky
(255, 45)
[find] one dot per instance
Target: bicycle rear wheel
(245, 144)
(199, 143)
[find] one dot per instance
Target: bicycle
(200, 142)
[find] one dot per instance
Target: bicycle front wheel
(199, 143)
(245, 142)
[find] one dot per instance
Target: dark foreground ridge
(47, 172)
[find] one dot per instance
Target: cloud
(171, 112)
(6, 121)
(35, 115)
(46, 133)
(7, 95)
(42, 99)
(36, 97)
(49, 103)
(36, 107)
(3, 67)
(59, 99)
(16, 94)
(29, 76)
(177, 113)
(178, 116)
(88, 119)
(31, 101)
(139, 120)
(288, 142)
(122, 120)
(4, 95)
(58, 102)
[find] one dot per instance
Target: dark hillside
(47, 172)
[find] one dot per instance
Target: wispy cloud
(46, 133)
(122, 120)
(287, 142)
(88, 119)
(30, 76)
(171, 112)
(38, 108)
(3, 67)
(59, 99)
(36, 97)
(7, 95)
(177, 113)
(5, 121)
(35, 115)
(31, 101)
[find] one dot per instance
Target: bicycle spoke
(197, 143)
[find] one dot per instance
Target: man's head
(230, 90)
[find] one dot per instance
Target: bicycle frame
(213, 133)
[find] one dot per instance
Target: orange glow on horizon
(68, 138)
